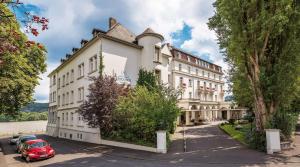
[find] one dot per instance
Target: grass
(239, 135)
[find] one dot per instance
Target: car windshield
(38, 145)
(27, 139)
(14, 137)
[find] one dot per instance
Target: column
(216, 114)
(228, 114)
(193, 115)
(187, 118)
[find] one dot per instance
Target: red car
(37, 149)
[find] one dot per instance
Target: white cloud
(72, 20)
(42, 90)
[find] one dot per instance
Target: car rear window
(38, 144)
(28, 138)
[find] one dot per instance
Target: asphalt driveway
(206, 146)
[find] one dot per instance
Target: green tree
(262, 39)
(20, 69)
(140, 114)
(147, 78)
(102, 100)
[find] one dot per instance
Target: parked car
(22, 140)
(36, 150)
(14, 139)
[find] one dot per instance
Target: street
(206, 146)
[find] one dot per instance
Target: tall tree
(20, 68)
(97, 109)
(262, 39)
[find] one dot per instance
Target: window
(54, 96)
(190, 95)
(221, 87)
(58, 100)
(80, 70)
(220, 78)
(156, 58)
(67, 79)
(210, 85)
(72, 97)
(64, 80)
(63, 99)
(72, 76)
(72, 115)
(197, 71)
(70, 136)
(190, 83)
(181, 80)
(58, 86)
(214, 76)
(54, 80)
(80, 94)
(63, 116)
(50, 97)
(216, 87)
(203, 73)
(67, 116)
(198, 84)
(93, 64)
(208, 74)
(67, 98)
(216, 98)
(180, 67)
(189, 69)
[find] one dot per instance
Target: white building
(123, 55)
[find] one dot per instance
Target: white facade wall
(124, 61)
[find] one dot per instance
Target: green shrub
(231, 121)
(257, 140)
(286, 122)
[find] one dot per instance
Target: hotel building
(124, 53)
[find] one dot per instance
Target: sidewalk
(293, 155)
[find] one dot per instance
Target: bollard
(273, 140)
(161, 141)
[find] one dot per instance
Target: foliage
(257, 140)
(102, 100)
(261, 42)
(285, 121)
(19, 70)
(140, 114)
(31, 24)
(147, 78)
(35, 107)
(25, 116)
(231, 121)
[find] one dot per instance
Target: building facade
(123, 55)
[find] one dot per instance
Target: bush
(139, 115)
(231, 121)
(257, 140)
(286, 122)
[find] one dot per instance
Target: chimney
(112, 22)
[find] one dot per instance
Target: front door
(224, 114)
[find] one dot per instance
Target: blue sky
(183, 23)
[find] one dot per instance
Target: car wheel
(28, 159)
